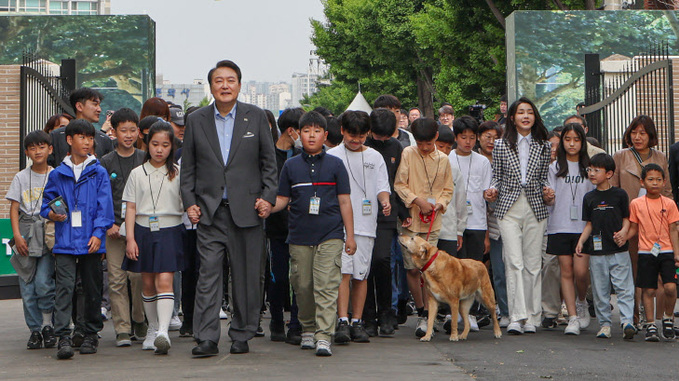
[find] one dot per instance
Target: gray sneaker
(123, 340)
(308, 341)
(323, 348)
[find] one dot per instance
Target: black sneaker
(402, 315)
(483, 321)
(35, 341)
(387, 325)
(371, 328)
(77, 340)
(89, 345)
(652, 333)
(358, 333)
(139, 330)
(668, 329)
(343, 333)
(294, 336)
(48, 337)
(186, 330)
(65, 348)
(590, 308)
(277, 329)
(448, 324)
(260, 330)
(549, 323)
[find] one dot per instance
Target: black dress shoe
(205, 348)
(238, 347)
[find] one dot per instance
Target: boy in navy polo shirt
(317, 188)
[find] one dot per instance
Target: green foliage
(204, 102)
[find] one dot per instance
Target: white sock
(355, 321)
(151, 310)
(165, 306)
(344, 319)
(46, 319)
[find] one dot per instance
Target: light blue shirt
(225, 133)
(523, 144)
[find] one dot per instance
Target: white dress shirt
(523, 145)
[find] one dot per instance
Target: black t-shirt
(119, 169)
(605, 210)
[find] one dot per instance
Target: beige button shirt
(148, 186)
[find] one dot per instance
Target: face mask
(298, 142)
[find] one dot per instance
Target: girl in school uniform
(155, 232)
(519, 185)
(568, 177)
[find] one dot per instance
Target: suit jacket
(507, 176)
(102, 145)
(674, 170)
(628, 172)
(250, 172)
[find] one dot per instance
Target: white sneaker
(308, 341)
(323, 348)
(515, 328)
(604, 332)
(529, 328)
(421, 329)
(104, 313)
(147, 345)
(222, 314)
(162, 343)
(504, 322)
(473, 324)
(573, 326)
(583, 313)
(175, 324)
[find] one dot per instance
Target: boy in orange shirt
(655, 218)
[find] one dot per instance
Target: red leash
(428, 220)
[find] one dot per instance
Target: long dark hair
(538, 131)
(583, 157)
(158, 127)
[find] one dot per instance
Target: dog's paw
(454, 338)
(498, 336)
(463, 337)
(426, 338)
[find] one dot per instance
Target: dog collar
(431, 260)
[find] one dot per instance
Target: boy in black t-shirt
(606, 210)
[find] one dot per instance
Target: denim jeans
(38, 296)
(615, 269)
(499, 280)
(399, 282)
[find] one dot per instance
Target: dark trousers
(279, 285)
(472, 245)
(88, 266)
(189, 275)
(247, 260)
(378, 299)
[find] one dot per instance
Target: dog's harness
(430, 261)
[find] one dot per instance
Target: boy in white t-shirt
(476, 174)
(369, 190)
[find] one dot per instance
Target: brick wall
(9, 131)
(664, 4)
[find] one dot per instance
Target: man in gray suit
(228, 183)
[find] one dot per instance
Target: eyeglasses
(594, 170)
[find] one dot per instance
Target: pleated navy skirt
(159, 252)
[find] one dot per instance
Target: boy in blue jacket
(80, 234)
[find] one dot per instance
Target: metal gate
(613, 100)
(44, 92)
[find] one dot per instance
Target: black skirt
(159, 252)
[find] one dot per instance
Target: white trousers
(522, 238)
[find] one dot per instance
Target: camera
(476, 111)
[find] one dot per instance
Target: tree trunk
(496, 12)
(590, 5)
(425, 92)
(560, 5)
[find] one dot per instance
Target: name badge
(123, 210)
(574, 213)
(431, 200)
(655, 250)
(154, 223)
(367, 207)
(76, 219)
(598, 244)
(314, 205)
(469, 207)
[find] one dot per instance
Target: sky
(268, 39)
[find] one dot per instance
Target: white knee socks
(165, 306)
(151, 310)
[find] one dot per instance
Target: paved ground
(545, 355)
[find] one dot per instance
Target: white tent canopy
(359, 104)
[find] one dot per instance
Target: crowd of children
(510, 197)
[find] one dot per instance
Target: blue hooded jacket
(91, 195)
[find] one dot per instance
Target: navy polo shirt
(304, 176)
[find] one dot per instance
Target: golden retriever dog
(457, 282)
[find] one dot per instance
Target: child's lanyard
(469, 171)
(574, 208)
(426, 172)
(365, 187)
(154, 202)
(662, 211)
(30, 187)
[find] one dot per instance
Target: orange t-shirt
(654, 217)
